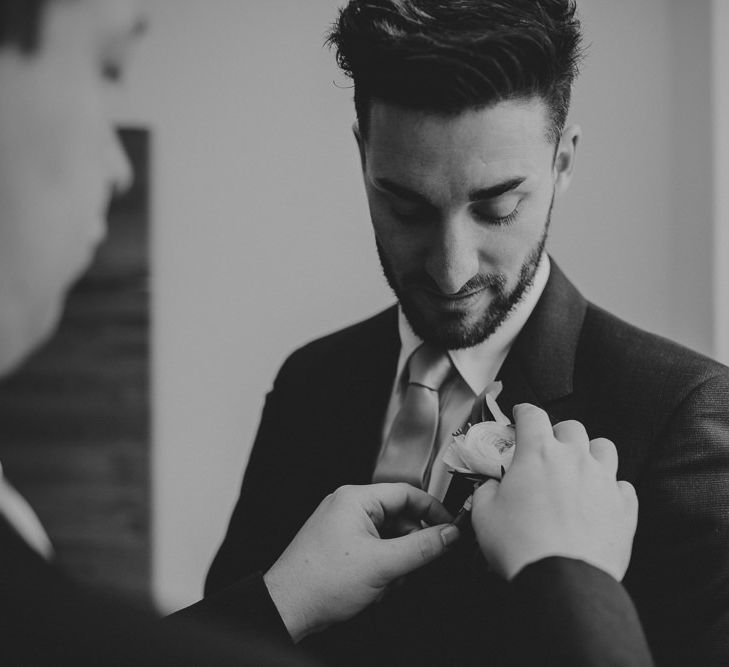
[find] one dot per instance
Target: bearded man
(461, 128)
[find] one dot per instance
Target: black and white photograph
(364, 333)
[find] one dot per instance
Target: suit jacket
(665, 407)
(46, 620)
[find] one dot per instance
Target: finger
(402, 555)
(533, 429)
(604, 451)
(571, 432)
(405, 526)
(406, 501)
(484, 496)
(399, 526)
(627, 490)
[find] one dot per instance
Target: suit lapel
(539, 368)
(516, 387)
(365, 393)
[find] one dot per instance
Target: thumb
(533, 430)
(484, 495)
(402, 555)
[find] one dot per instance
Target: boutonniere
(484, 449)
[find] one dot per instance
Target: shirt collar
(477, 364)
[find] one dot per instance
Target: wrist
(289, 602)
(514, 566)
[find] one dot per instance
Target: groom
(461, 130)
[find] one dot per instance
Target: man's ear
(564, 159)
(360, 146)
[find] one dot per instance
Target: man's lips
(451, 302)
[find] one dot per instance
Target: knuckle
(405, 488)
(628, 488)
(629, 493)
(530, 409)
(604, 443)
(343, 492)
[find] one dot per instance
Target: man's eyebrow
(480, 194)
(497, 190)
(399, 190)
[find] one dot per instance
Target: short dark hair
(449, 56)
(20, 23)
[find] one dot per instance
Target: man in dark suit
(461, 111)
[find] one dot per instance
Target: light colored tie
(409, 445)
(21, 516)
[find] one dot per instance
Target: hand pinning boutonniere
(484, 449)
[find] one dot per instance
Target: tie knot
(429, 367)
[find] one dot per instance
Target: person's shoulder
(617, 348)
(359, 340)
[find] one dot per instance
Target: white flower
(486, 448)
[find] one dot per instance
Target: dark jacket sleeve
(244, 606)
(679, 573)
(566, 612)
(46, 619)
(320, 429)
(284, 482)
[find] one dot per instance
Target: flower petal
(452, 457)
(499, 416)
(488, 447)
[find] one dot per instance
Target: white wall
(636, 230)
(262, 240)
(720, 61)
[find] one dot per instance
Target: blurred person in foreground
(60, 161)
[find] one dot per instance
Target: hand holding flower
(560, 498)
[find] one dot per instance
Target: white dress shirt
(19, 514)
(476, 367)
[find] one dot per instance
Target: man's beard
(450, 332)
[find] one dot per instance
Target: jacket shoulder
(361, 340)
(610, 346)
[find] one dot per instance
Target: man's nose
(120, 171)
(453, 256)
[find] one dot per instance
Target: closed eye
(502, 211)
(499, 221)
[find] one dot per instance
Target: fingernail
(449, 535)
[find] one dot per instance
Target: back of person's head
(20, 22)
(450, 56)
